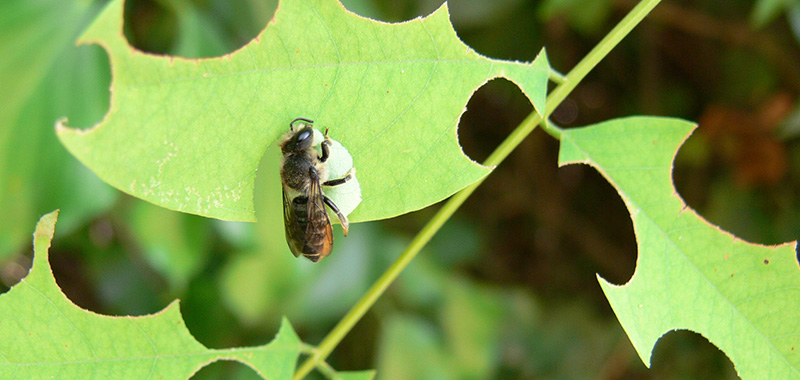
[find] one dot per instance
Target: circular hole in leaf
(226, 369)
(493, 111)
(685, 354)
(195, 29)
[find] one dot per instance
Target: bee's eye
(302, 136)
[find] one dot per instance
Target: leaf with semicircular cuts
(46, 336)
(744, 298)
(187, 134)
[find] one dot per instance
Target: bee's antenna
(291, 125)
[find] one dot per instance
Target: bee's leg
(325, 148)
(339, 181)
(342, 218)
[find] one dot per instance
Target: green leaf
(744, 298)
(187, 134)
(44, 78)
(45, 336)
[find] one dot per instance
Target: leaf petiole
(555, 76)
(326, 370)
(307, 348)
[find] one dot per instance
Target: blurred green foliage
(44, 78)
(508, 288)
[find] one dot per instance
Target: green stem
(500, 153)
(326, 370)
(600, 51)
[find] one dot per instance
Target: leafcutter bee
(304, 173)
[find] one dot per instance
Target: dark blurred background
(508, 288)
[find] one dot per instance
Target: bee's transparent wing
(318, 234)
(295, 233)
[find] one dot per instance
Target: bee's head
(300, 136)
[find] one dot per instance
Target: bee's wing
(295, 233)
(318, 234)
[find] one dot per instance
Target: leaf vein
(337, 65)
(291, 67)
(397, 181)
(152, 345)
(71, 323)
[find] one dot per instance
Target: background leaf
(410, 350)
(585, 16)
(46, 336)
(793, 16)
(765, 11)
(188, 134)
(45, 77)
(691, 275)
(175, 244)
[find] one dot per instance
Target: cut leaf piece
(744, 298)
(187, 134)
(46, 336)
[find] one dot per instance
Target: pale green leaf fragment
(744, 298)
(46, 336)
(347, 196)
(187, 134)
